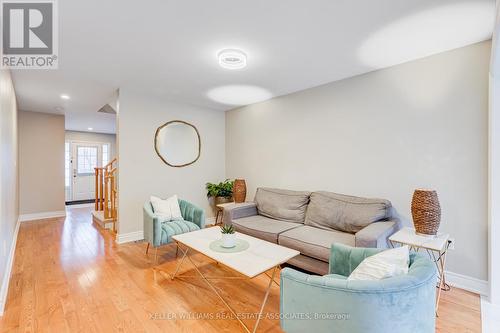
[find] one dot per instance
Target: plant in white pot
(228, 235)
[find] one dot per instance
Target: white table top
(258, 258)
(234, 204)
(409, 237)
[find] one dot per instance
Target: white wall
(9, 209)
(494, 167)
(382, 134)
(143, 173)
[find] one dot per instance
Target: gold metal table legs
(207, 281)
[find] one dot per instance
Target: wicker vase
(426, 212)
(239, 190)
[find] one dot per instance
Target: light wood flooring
(70, 276)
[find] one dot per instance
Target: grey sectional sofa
(311, 222)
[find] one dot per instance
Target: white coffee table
(260, 257)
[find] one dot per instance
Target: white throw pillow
(383, 265)
(167, 209)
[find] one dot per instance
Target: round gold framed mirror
(178, 143)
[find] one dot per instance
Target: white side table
(436, 247)
(221, 207)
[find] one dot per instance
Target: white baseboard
(468, 283)
(10, 262)
(41, 216)
(129, 237)
(81, 205)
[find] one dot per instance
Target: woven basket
(426, 212)
(239, 190)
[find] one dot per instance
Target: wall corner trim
(4, 289)
(468, 283)
(41, 216)
(129, 237)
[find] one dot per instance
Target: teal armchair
(158, 233)
(330, 303)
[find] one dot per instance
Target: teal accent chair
(330, 303)
(158, 233)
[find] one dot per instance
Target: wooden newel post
(101, 182)
(96, 188)
(106, 194)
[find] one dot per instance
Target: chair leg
(147, 249)
(156, 255)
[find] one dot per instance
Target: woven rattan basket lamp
(426, 212)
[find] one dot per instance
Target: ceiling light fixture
(90, 128)
(232, 59)
(64, 96)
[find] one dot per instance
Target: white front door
(86, 157)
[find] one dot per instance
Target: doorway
(81, 160)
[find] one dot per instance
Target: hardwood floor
(69, 276)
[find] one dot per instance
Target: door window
(86, 160)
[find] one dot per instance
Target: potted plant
(228, 235)
(220, 193)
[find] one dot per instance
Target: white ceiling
(168, 48)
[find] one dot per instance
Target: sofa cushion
(284, 205)
(262, 227)
(314, 242)
(329, 210)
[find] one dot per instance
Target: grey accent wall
(9, 209)
(382, 134)
(41, 162)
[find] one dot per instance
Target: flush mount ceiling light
(64, 96)
(90, 128)
(232, 59)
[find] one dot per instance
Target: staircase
(106, 194)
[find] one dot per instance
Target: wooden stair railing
(106, 191)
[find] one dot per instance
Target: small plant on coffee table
(227, 229)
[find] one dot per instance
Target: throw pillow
(167, 209)
(383, 265)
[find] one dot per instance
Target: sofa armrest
(192, 213)
(152, 227)
(376, 234)
(238, 211)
